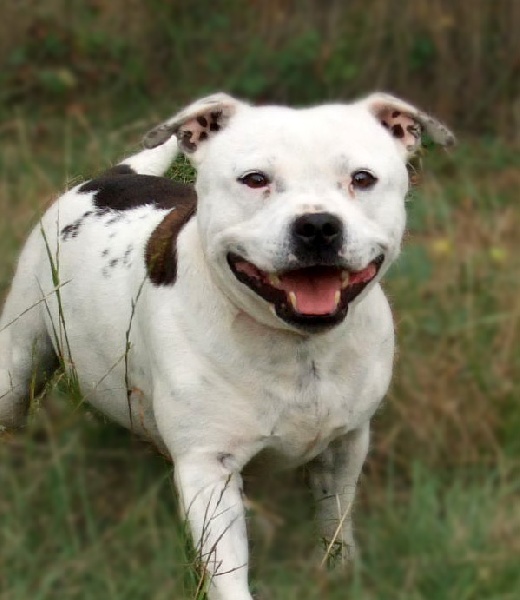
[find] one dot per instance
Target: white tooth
(272, 309)
(292, 298)
(274, 279)
(337, 297)
(344, 279)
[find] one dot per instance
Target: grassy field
(86, 511)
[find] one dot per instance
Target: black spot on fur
(69, 231)
(105, 252)
(395, 114)
(415, 130)
(117, 217)
(203, 135)
(202, 121)
(113, 262)
(72, 229)
(126, 256)
(397, 131)
(122, 192)
(214, 127)
(385, 124)
(187, 144)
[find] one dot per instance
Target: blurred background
(88, 511)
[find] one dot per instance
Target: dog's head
(300, 211)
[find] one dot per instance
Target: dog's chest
(310, 404)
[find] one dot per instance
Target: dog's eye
(255, 179)
(363, 180)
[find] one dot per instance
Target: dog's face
(300, 210)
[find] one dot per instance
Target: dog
(239, 318)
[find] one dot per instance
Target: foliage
(79, 519)
(441, 55)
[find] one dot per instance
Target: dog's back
(95, 242)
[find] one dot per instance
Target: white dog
(239, 317)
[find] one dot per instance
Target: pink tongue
(314, 295)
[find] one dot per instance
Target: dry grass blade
(337, 532)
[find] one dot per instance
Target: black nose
(318, 230)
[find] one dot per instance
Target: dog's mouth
(315, 297)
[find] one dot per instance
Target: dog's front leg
(333, 478)
(211, 498)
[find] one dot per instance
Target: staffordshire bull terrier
(238, 318)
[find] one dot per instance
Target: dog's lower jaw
(312, 299)
(312, 324)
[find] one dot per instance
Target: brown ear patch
(161, 249)
(402, 127)
(198, 129)
(406, 123)
(196, 122)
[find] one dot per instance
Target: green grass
(87, 511)
(81, 518)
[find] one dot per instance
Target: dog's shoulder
(122, 209)
(121, 189)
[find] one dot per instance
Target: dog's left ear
(196, 123)
(406, 123)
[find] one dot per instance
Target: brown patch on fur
(198, 129)
(407, 124)
(161, 249)
(402, 127)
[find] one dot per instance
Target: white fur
(215, 378)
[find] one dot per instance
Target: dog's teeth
(272, 309)
(274, 279)
(344, 279)
(292, 298)
(337, 297)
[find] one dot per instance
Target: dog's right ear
(406, 123)
(196, 123)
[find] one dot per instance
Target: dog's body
(246, 319)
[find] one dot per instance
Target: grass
(442, 55)
(87, 511)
